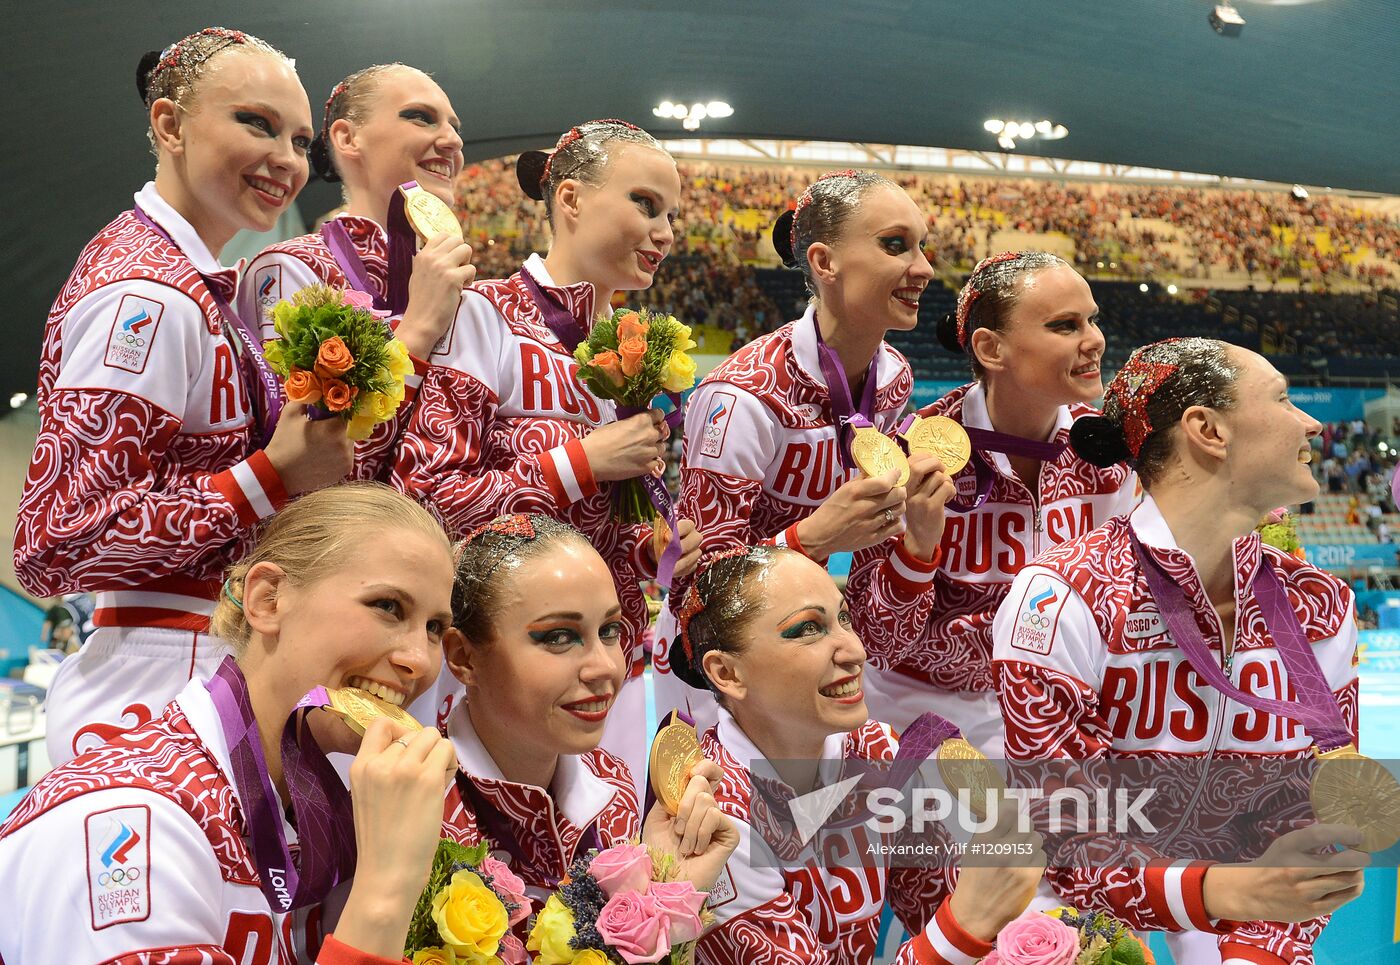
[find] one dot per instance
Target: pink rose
(361, 300)
(681, 903)
(625, 867)
(637, 926)
(509, 886)
(1035, 939)
(512, 952)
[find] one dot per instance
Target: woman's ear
(822, 262)
(166, 126)
(725, 674)
(264, 600)
(460, 654)
(1205, 431)
(566, 199)
(342, 140)
(987, 347)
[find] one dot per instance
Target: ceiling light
(18, 399)
(663, 109)
(1043, 127)
(993, 126)
(1143, 288)
(719, 109)
(1027, 130)
(1172, 289)
(1057, 132)
(1226, 20)
(690, 117)
(1006, 142)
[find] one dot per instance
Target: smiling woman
(151, 398)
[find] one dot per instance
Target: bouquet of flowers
(620, 906)
(334, 351)
(631, 358)
(1065, 936)
(465, 913)
(1280, 530)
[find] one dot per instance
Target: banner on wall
(1350, 555)
(1333, 405)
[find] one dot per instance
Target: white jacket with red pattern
(145, 482)
(1088, 672)
(280, 271)
(589, 790)
(767, 915)
(136, 853)
(935, 624)
(498, 425)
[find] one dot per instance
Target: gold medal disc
(941, 437)
(1350, 788)
(660, 537)
(876, 454)
(359, 708)
(674, 752)
(963, 766)
(429, 215)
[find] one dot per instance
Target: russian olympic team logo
(717, 423)
(1038, 615)
(269, 282)
(119, 865)
(133, 333)
(115, 855)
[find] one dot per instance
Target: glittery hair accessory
(692, 604)
(176, 54)
(806, 199)
(518, 526)
(970, 293)
(572, 135)
(336, 91)
(1132, 388)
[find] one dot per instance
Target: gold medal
(1349, 788)
(429, 215)
(674, 752)
(359, 708)
(963, 767)
(660, 537)
(941, 437)
(876, 454)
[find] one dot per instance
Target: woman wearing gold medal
(217, 832)
(160, 444)
(1029, 326)
(503, 425)
(766, 632)
(1173, 636)
(537, 643)
(384, 126)
(774, 434)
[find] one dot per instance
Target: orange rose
(610, 365)
(633, 350)
(339, 396)
(333, 359)
(631, 326)
(303, 386)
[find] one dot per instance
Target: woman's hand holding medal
(440, 271)
(700, 836)
(690, 544)
(861, 513)
(1300, 876)
(925, 502)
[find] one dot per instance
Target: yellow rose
(684, 341)
(434, 956)
(591, 956)
(282, 315)
(554, 928)
(469, 916)
(358, 427)
(680, 373)
(400, 364)
(381, 406)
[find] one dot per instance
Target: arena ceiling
(1308, 93)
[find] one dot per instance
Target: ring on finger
(401, 741)
(889, 517)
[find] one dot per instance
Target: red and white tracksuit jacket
(813, 913)
(760, 447)
(931, 629)
(145, 482)
(280, 271)
(498, 428)
(589, 790)
(1088, 672)
(136, 853)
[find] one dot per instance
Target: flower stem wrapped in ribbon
(631, 358)
(334, 352)
(465, 913)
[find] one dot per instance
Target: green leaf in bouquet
(1127, 951)
(449, 858)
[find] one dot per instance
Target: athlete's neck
(1020, 415)
(365, 204)
(852, 345)
(516, 760)
(174, 192)
(796, 757)
(272, 705)
(1205, 523)
(564, 270)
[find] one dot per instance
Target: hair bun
(144, 68)
(529, 171)
(321, 164)
(1099, 441)
(682, 668)
(782, 238)
(947, 332)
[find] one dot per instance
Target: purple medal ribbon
(352, 266)
(253, 368)
(320, 803)
(559, 320)
(989, 440)
(495, 827)
(1315, 707)
(848, 417)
